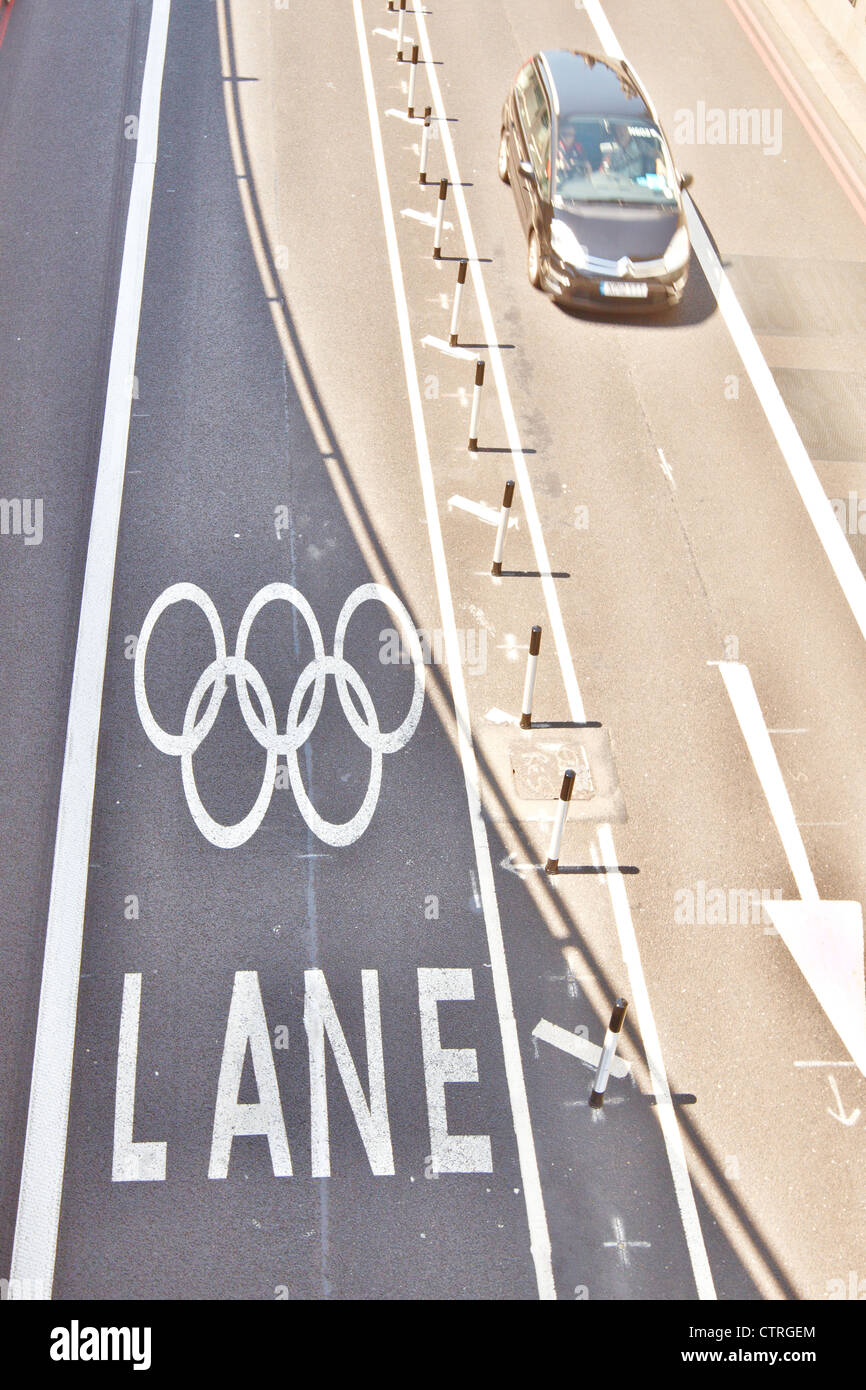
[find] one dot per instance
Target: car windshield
(604, 160)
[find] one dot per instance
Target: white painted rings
(244, 674)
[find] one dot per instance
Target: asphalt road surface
(289, 1007)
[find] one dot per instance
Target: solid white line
(667, 1116)
(738, 683)
(531, 1182)
(38, 1218)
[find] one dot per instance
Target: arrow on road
(578, 1047)
(840, 1113)
(479, 509)
(825, 938)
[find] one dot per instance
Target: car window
(539, 148)
(530, 97)
(601, 159)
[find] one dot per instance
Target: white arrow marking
(825, 938)
(581, 1048)
(498, 716)
(441, 346)
(426, 218)
(479, 509)
(511, 867)
(840, 1114)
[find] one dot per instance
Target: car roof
(586, 85)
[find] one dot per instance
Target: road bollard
(425, 143)
(552, 865)
(505, 513)
(529, 683)
(401, 19)
(611, 1038)
(476, 406)
(440, 218)
(458, 297)
(413, 72)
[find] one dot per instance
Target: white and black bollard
(458, 297)
(611, 1038)
(552, 865)
(529, 683)
(505, 513)
(425, 145)
(476, 406)
(413, 72)
(440, 218)
(401, 19)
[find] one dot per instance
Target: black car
(595, 184)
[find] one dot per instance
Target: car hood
(609, 233)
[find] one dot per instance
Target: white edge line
(619, 898)
(38, 1217)
(540, 1248)
(741, 690)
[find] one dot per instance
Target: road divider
(413, 74)
(529, 681)
(611, 1038)
(458, 300)
(552, 865)
(505, 513)
(476, 406)
(440, 218)
(425, 146)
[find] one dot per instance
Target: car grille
(623, 269)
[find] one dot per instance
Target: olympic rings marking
(315, 673)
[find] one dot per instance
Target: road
(301, 1059)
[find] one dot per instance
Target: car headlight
(566, 244)
(679, 250)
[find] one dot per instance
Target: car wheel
(502, 161)
(533, 261)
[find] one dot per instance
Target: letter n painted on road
(320, 1017)
(131, 1161)
(247, 1024)
(450, 1153)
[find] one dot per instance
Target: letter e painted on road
(247, 1024)
(450, 1153)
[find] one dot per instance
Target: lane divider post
(458, 298)
(413, 73)
(476, 406)
(401, 19)
(552, 865)
(425, 143)
(611, 1038)
(504, 514)
(529, 683)
(440, 218)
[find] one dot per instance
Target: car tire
(533, 261)
(502, 158)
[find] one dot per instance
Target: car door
(525, 105)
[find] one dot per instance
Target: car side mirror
(526, 170)
(686, 180)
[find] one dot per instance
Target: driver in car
(570, 156)
(624, 157)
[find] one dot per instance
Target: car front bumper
(582, 288)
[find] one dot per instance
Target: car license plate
(624, 289)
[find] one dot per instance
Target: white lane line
(667, 1116)
(738, 683)
(585, 1051)
(531, 1182)
(38, 1218)
(800, 466)
(847, 1063)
